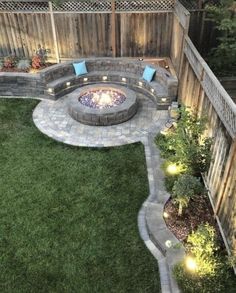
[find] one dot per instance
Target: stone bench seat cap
(154, 84)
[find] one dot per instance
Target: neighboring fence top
(220, 99)
(87, 6)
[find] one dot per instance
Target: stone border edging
(152, 227)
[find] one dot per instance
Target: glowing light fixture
(168, 243)
(140, 83)
(152, 90)
(85, 79)
(50, 90)
(163, 99)
(165, 215)
(167, 67)
(104, 78)
(191, 263)
(172, 169)
(68, 83)
(140, 59)
(123, 79)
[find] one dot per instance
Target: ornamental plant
(10, 61)
(186, 145)
(212, 273)
(185, 187)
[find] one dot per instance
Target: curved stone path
(52, 119)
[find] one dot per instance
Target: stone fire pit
(102, 105)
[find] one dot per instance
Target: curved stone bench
(60, 79)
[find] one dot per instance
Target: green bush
(212, 273)
(186, 144)
(184, 189)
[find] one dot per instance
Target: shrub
(186, 144)
(163, 143)
(10, 61)
(37, 62)
(212, 271)
(23, 64)
(184, 189)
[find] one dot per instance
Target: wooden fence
(199, 89)
(70, 31)
(136, 28)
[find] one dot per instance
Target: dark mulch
(198, 212)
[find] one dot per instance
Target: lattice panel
(84, 6)
(144, 5)
(222, 102)
(23, 6)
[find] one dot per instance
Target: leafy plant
(185, 187)
(40, 58)
(212, 273)
(186, 145)
(222, 59)
(10, 61)
(23, 64)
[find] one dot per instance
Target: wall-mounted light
(140, 59)
(152, 90)
(123, 79)
(68, 83)
(50, 90)
(85, 79)
(104, 78)
(163, 99)
(140, 83)
(167, 67)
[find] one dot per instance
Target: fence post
(54, 32)
(113, 27)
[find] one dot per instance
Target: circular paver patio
(52, 118)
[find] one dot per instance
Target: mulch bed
(30, 70)
(198, 212)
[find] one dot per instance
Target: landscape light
(68, 83)
(191, 263)
(172, 169)
(152, 90)
(85, 79)
(50, 90)
(165, 215)
(140, 83)
(168, 243)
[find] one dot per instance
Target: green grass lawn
(68, 215)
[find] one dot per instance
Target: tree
(222, 59)
(184, 189)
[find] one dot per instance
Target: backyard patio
(117, 151)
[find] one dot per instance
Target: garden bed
(199, 211)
